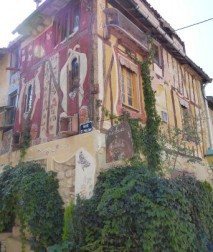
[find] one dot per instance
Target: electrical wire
(194, 24)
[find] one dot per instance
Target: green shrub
(134, 210)
(31, 194)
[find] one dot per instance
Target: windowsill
(130, 107)
(158, 70)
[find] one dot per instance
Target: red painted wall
(44, 67)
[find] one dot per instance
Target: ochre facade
(79, 59)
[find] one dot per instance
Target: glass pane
(130, 101)
(129, 87)
(74, 69)
(123, 87)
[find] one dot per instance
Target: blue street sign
(86, 127)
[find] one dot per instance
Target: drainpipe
(210, 130)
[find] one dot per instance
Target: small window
(13, 99)
(157, 55)
(129, 87)
(14, 62)
(66, 22)
(76, 19)
(164, 116)
(74, 75)
(28, 99)
(14, 58)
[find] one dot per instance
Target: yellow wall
(172, 82)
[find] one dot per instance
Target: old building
(209, 108)
(74, 58)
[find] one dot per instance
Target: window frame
(157, 55)
(28, 99)
(128, 67)
(73, 80)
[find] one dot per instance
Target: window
(14, 58)
(76, 19)
(11, 109)
(66, 22)
(74, 75)
(14, 62)
(164, 116)
(157, 55)
(13, 99)
(28, 99)
(129, 87)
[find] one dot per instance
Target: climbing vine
(26, 138)
(151, 146)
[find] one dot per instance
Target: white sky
(198, 39)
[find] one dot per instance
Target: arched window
(74, 75)
(75, 69)
(28, 99)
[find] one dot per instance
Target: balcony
(7, 117)
(118, 21)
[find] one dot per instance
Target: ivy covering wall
(132, 210)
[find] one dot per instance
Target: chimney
(37, 3)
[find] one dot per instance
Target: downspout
(210, 130)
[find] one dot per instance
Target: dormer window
(66, 22)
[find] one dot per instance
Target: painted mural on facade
(85, 174)
(48, 90)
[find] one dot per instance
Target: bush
(31, 194)
(134, 210)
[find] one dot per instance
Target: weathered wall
(174, 84)
(45, 67)
(75, 159)
(4, 79)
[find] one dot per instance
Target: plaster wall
(4, 79)
(75, 160)
(173, 83)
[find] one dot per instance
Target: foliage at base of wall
(31, 194)
(26, 138)
(132, 210)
